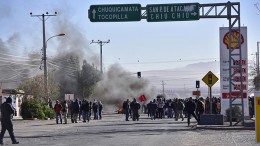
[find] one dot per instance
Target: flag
(142, 98)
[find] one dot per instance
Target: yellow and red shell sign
(234, 40)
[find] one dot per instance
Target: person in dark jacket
(100, 109)
(90, 109)
(7, 112)
(80, 111)
(75, 110)
(153, 109)
(149, 109)
(126, 108)
(190, 107)
(85, 110)
(179, 110)
(95, 109)
(135, 106)
(199, 108)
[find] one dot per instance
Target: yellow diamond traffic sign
(210, 79)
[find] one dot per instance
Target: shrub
(236, 113)
(49, 112)
(35, 109)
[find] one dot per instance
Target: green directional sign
(172, 12)
(115, 13)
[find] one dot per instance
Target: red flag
(142, 98)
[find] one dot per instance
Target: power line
(63, 66)
(23, 57)
(21, 63)
(174, 61)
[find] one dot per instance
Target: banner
(69, 97)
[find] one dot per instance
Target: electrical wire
(13, 56)
(62, 66)
(173, 61)
(21, 63)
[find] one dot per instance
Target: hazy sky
(137, 46)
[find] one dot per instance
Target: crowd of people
(173, 108)
(77, 110)
(156, 109)
(181, 108)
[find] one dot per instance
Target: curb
(224, 127)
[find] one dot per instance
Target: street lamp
(61, 34)
(45, 63)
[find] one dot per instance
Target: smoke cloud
(118, 85)
(14, 67)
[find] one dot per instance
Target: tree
(88, 78)
(255, 80)
(74, 79)
(35, 87)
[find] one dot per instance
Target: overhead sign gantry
(185, 12)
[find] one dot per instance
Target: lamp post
(43, 19)
(45, 63)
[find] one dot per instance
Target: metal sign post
(210, 79)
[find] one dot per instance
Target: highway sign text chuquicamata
(115, 13)
(172, 12)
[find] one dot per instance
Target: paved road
(112, 130)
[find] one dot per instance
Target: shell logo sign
(234, 40)
(230, 42)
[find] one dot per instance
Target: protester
(100, 108)
(50, 103)
(95, 109)
(179, 110)
(65, 111)
(57, 109)
(218, 106)
(149, 109)
(90, 110)
(199, 108)
(7, 112)
(126, 108)
(169, 107)
(160, 108)
(75, 111)
(154, 108)
(190, 108)
(135, 106)
(85, 110)
(80, 112)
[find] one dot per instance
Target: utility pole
(44, 58)
(101, 43)
(163, 86)
(257, 57)
(257, 68)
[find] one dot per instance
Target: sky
(152, 48)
